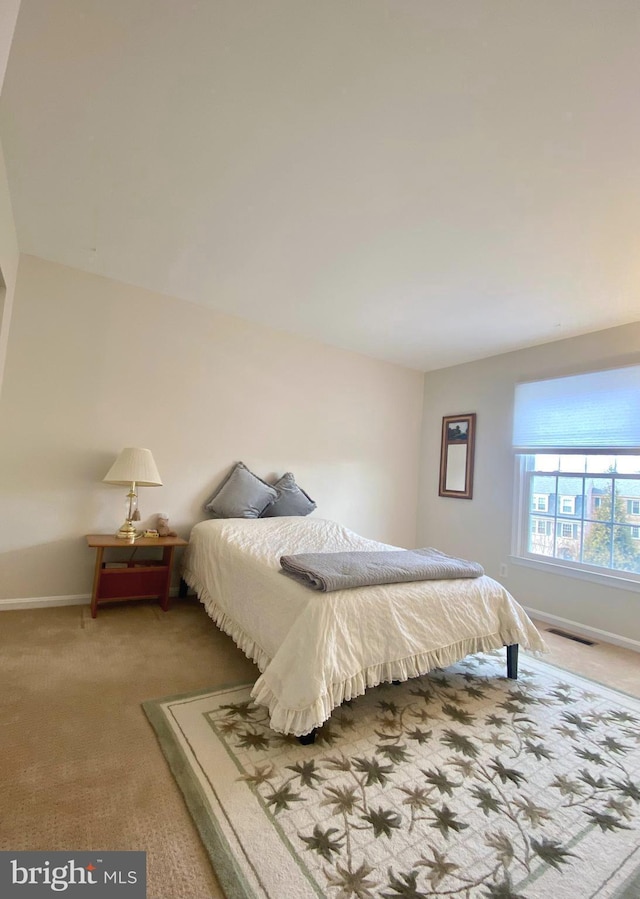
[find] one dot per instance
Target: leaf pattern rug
(460, 783)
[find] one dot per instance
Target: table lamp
(133, 467)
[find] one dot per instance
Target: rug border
(221, 857)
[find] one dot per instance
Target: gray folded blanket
(338, 571)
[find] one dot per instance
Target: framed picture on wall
(456, 455)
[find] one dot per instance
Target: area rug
(460, 783)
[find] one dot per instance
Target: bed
(316, 650)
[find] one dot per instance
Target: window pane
(627, 504)
(628, 464)
(570, 496)
(542, 488)
(568, 546)
(601, 464)
(626, 553)
(597, 502)
(572, 462)
(546, 462)
(597, 545)
(541, 539)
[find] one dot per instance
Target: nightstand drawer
(118, 583)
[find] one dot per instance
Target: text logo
(77, 875)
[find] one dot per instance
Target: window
(577, 445)
(568, 505)
(602, 536)
(567, 530)
(540, 526)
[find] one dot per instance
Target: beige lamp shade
(134, 464)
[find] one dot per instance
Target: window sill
(606, 580)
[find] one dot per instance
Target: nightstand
(135, 577)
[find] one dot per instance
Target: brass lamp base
(127, 532)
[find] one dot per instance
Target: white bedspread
(317, 649)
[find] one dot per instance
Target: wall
(481, 528)
(95, 365)
(8, 18)
(8, 265)
(8, 239)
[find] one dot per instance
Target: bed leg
(308, 739)
(512, 661)
(183, 588)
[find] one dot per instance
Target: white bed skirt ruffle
(300, 721)
(248, 646)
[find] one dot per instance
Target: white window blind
(595, 411)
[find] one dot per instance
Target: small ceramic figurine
(163, 526)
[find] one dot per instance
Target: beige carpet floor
(80, 767)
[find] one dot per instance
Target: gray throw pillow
(292, 500)
(242, 494)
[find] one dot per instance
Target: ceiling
(426, 182)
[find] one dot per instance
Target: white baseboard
(42, 602)
(583, 630)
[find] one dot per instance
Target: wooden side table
(136, 577)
